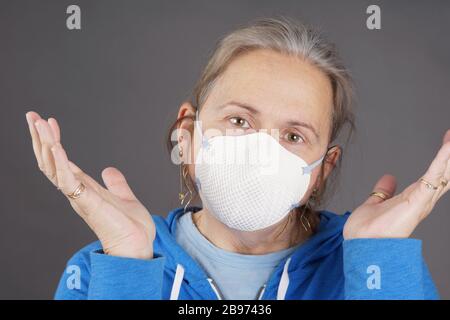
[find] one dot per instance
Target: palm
(393, 218)
(122, 224)
(398, 216)
(129, 223)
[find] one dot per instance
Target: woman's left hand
(399, 215)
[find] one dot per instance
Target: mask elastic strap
(308, 169)
(197, 124)
(203, 139)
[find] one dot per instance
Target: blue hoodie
(325, 267)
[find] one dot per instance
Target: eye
(239, 122)
(294, 137)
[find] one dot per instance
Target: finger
(32, 117)
(446, 137)
(81, 175)
(75, 169)
(433, 175)
(387, 185)
(90, 206)
(445, 180)
(47, 141)
(117, 184)
(55, 129)
(444, 185)
(68, 183)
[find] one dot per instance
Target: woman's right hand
(122, 224)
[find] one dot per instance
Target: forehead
(277, 84)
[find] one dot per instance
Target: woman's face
(264, 89)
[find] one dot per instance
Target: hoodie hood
(294, 277)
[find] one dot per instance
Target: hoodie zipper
(220, 297)
(281, 293)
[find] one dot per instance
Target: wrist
(145, 254)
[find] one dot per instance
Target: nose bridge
(268, 123)
(271, 131)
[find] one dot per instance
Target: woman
(257, 233)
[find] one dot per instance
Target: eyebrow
(241, 105)
(305, 125)
(256, 111)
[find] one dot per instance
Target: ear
(186, 109)
(185, 129)
(331, 158)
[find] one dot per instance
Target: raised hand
(122, 224)
(398, 215)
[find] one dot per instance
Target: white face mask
(249, 182)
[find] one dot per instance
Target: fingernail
(28, 120)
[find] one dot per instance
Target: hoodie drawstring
(261, 291)
(178, 280)
(284, 281)
(179, 274)
(281, 293)
(216, 291)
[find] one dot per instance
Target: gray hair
(292, 38)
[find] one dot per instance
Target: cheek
(309, 191)
(313, 181)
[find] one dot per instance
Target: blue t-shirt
(238, 276)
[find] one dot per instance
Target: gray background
(117, 84)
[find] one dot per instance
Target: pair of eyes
(292, 137)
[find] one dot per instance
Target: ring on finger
(380, 195)
(77, 192)
(428, 184)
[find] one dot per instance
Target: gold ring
(444, 182)
(77, 192)
(380, 195)
(429, 185)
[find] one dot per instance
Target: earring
(314, 193)
(183, 195)
(183, 174)
(180, 151)
(303, 218)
